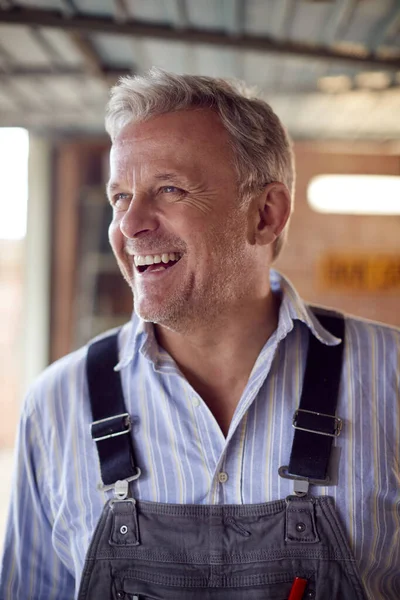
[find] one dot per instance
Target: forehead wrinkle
(164, 176)
(156, 151)
(160, 167)
(157, 141)
(124, 173)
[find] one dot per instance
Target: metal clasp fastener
(120, 487)
(127, 423)
(301, 484)
(337, 420)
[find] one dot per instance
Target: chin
(152, 313)
(172, 318)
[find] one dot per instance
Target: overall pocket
(152, 586)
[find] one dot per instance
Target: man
(209, 502)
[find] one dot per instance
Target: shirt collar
(294, 308)
(138, 335)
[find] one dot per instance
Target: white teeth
(141, 260)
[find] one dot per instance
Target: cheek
(115, 236)
(186, 220)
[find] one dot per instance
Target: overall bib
(155, 551)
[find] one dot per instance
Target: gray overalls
(154, 551)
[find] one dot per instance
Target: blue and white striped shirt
(181, 449)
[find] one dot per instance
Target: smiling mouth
(156, 263)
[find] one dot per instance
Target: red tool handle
(298, 587)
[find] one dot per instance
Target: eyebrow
(112, 187)
(168, 176)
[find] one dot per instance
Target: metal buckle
(338, 422)
(111, 435)
(120, 487)
(284, 472)
(301, 484)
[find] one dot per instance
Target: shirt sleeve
(31, 568)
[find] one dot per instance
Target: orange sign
(347, 272)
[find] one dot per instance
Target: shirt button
(196, 401)
(223, 477)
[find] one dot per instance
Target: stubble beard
(190, 306)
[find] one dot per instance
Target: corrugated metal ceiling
(330, 68)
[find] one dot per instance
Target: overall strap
(111, 423)
(315, 421)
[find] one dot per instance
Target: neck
(242, 330)
(218, 357)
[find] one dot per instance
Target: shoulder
(372, 355)
(63, 383)
(358, 326)
(371, 348)
(363, 331)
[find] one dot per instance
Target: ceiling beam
(92, 24)
(9, 86)
(234, 15)
(48, 47)
(121, 11)
(91, 59)
(286, 16)
(68, 7)
(22, 72)
(341, 14)
(385, 27)
(176, 12)
(182, 13)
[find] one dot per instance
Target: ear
(272, 211)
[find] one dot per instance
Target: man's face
(173, 189)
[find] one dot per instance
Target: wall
(312, 234)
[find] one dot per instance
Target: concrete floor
(6, 462)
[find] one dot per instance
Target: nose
(139, 218)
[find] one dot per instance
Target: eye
(120, 200)
(170, 189)
(172, 192)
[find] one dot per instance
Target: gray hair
(261, 146)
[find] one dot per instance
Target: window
(355, 194)
(14, 149)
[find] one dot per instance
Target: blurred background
(329, 68)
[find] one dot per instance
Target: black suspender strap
(112, 424)
(315, 421)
